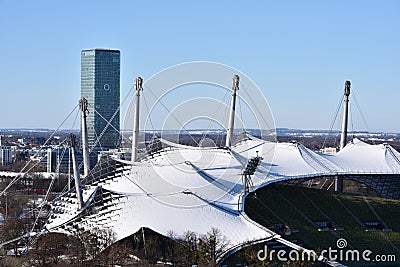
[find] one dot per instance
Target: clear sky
(298, 52)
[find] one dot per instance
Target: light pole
(6, 205)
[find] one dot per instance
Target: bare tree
(119, 253)
(211, 247)
(79, 246)
(10, 229)
(13, 204)
(9, 262)
(112, 253)
(248, 256)
(90, 246)
(188, 251)
(48, 250)
(153, 248)
(172, 248)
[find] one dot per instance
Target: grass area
(341, 208)
(303, 204)
(394, 237)
(381, 207)
(357, 206)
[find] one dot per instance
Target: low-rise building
(328, 150)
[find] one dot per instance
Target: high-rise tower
(100, 85)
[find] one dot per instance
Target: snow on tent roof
(180, 188)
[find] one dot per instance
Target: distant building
(61, 158)
(328, 150)
(5, 153)
(23, 141)
(100, 85)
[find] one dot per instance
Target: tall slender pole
(343, 137)
(6, 194)
(231, 125)
(135, 135)
(69, 169)
(144, 242)
(83, 106)
(78, 185)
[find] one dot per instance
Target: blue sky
(298, 52)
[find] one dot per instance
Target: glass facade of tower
(100, 85)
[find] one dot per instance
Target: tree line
(98, 248)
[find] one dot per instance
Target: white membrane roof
(180, 189)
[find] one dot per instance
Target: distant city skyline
(298, 53)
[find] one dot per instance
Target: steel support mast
(231, 125)
(83, 106)
(78, 185)
(135, 135)
(343, 137)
